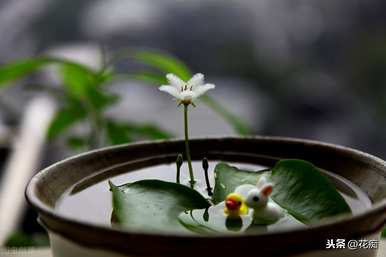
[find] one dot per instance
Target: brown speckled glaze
(366, 171)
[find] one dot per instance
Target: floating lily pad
(154, 205)
(305, 192)
(228, 177)
(300, 188)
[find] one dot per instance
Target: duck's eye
(255, 199)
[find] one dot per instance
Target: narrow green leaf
(307, 194)
(150, 77)
(104, 76)
(154, 205)
(227, 178)
(77, 143)
(164, 62)
(149, 131)
(85, 86)
(21, 68)
(117, 133)
(77, 80)
(238, 124)
(99, 98)
(65, 118)
(21, 239)
(124, 132)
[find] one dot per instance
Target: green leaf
(307, 194)
(120, 133)
(238, 124)
(154, 205)
(77, 143)
(117, 133)
(227, 178)
(70, 114)
(150, 131)
(164, 62)
(383, 235)
(105, 76)
(77, 80)
(21, 68)
(85, 86)
(20, 239)
(100, 99)
(150, 77)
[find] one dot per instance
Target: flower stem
(187, 151)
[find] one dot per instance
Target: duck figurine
(235, 206)
(265, 211)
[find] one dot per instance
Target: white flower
(186, 92)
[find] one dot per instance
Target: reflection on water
(213, 220)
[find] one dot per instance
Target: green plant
(20, 239)
(84, 97)
(241, 202)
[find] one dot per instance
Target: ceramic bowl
(70, 237)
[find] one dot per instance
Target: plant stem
(205, 166)
(178, 175)
(95, 129)
(179, 162)
(187, 151)
(96, 126)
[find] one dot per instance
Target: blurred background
(304, 68)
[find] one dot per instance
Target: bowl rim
(47, 212)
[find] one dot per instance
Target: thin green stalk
(187, 151)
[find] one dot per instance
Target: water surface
(93, 203)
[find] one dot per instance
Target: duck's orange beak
(232, 204)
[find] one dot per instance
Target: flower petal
(196, 80)
(175, 81)
(188, 95)
(200, 90)
(171, 90)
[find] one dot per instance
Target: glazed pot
(71, 237)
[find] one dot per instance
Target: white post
(23, 161)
